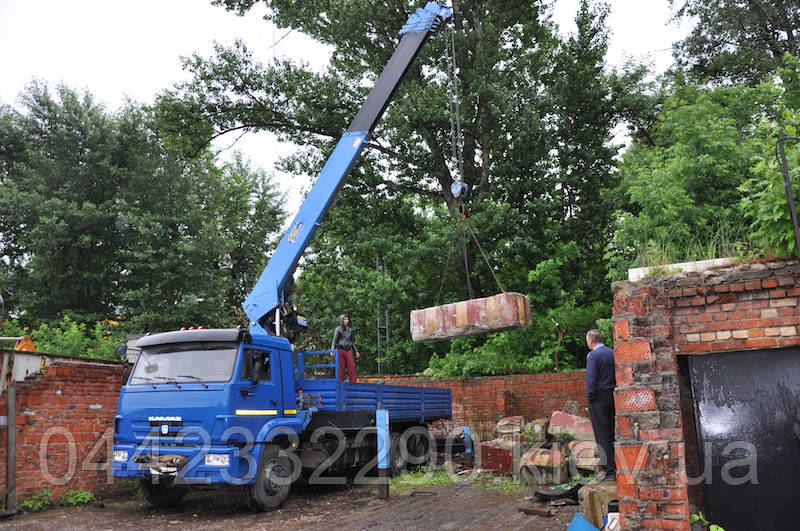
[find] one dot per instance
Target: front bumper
(241, 468)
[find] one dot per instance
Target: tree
(521, 139)
(737, 40)
(58, 192)
(587, 171)
(763, 194)
(683, 193)
(103, 220)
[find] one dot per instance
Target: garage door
(747, 409)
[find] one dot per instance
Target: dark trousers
(346, 361)
(601, 413)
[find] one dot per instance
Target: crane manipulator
(265, 305)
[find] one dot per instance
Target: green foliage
(559, 321)
(38, 501)
(737, 41)
(501, 483)
(682, 193)
(421, 477)
(132, 488)
(102, 220)
(698, 517)
(76, 497)
(70, 338)
(763, 194)
(537, 115)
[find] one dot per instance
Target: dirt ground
(437, 507)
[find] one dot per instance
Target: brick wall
(79, 397)
(658, 321)
(64, 419)
(480, 402)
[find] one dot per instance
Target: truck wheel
(161, 495)
(272, 485)
(419, 448)
(397, 458)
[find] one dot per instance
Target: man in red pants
(344, 341)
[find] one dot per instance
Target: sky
(121, 49)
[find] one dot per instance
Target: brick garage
(481, 402)
(64, 419)
(656, 323)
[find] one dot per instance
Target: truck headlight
(218, 459)
(120, 456)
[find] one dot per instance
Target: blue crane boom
(263, 304)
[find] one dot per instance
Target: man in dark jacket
(344, 341)
(600, 383)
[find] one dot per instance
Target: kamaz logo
(164, 419)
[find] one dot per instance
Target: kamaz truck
(239, 406)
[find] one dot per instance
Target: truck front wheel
(162, 495)
(273, 481)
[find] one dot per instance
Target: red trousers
(346, 361)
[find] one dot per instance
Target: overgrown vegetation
(426, 477)
(38, 501)
(70, 338)
(421, 477)
(76, 497)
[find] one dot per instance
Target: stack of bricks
(64, 421)
(744, 307)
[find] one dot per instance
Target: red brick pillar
(649, 447)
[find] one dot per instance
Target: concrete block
(537, 429)
(509, 426)
(582, 456)
(544, 466)
(504, 311)
(496, 455)
(593, 499)
(565, 425)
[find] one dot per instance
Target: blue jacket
(600, 371)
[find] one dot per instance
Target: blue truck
(239, 406)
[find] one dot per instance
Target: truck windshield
(184, 363)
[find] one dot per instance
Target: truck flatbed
(404, 404)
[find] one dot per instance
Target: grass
(501, 483)
(724, 242)
(419, 478)
(425, 478)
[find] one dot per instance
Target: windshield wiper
(168, 380)
(194, 378)
(145, 378)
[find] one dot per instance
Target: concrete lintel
(638, 273)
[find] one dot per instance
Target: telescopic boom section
(267, 295)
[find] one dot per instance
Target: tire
(161, 495)
(271, 488)
(397, 458)
(419, 448)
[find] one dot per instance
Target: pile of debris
(548, 451)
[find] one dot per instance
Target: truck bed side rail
(302, 367)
